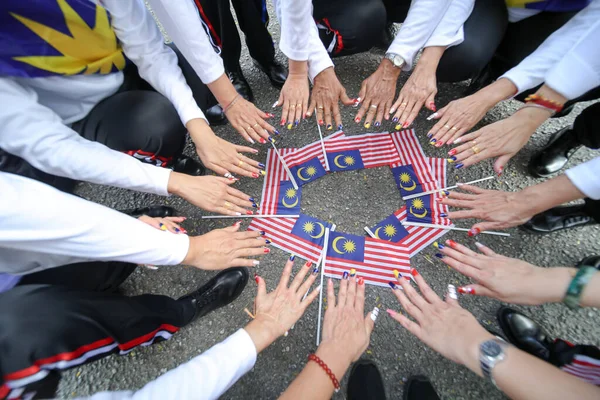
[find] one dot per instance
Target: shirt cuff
(315, 67)
(160, 178)
(178, 245)
(571, 85)
(191, 111)
(292, 53)
(522, 81)
(585, 178)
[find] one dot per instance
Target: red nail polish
(282, 123)
(254, 175)
(266, 250)
(237, 223)
(500, 170)
(320, 122)
(257, 278)
(414, 272)
(262, 140)
(361, 281)
(439, 144)
(464, 290)
(451, 243)
(432, 107)
(269, 115)
(357, 120)
(248, 212)
(474, 232)
(308, 264)
(452, 152)
(405, 125)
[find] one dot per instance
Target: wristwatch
(491, 352)
(396, 59)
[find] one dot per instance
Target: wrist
(430, 57)
(471, 355)
(531, 117)
(263, 331)
(175, 184)
(336, 357)
(555, 283)
(222, 89)
(298, 67)
(199, 130)
(388, 69)
(324, 74)
(501, 89)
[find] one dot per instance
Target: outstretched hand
(327, 91)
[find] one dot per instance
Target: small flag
(390, 229)
(420, 210)
(288, 198)
(310, 229)
(346, 246)
(308, 171)
(375, 149)
(409, 182)
(348, 160)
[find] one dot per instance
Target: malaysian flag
(585, 368)
(309, 152)
(409, 180)
(411, 153)
(370, 150)
(271, 194)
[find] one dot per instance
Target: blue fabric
(308, 171)
(288, 198)
(8, 282)
(346, 246)
(311, 229)
(390, 229)
(348, 160)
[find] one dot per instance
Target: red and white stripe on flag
(376, 149)
(410, 152)
(380, 261)
(275, 174)
(585, 368)
(299, 156)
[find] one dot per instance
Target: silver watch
(396, 59)
(491, 352)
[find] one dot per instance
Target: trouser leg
(47, 329)
(583, 361)
(253, 18)
(587, 127)
(592, 208)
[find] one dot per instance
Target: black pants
(219, 24)
(72, 315)
(136, 120)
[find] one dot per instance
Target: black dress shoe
(220, 291)
(276, 72)
(552, 158)
(152, 211)
(241, 85)
(418, 387)
(215, 115)
(189, 166)
(365, 382)
(558, 218)
(524, 333)
(591, 261)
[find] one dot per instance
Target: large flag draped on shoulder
(363, 151)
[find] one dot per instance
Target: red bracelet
(336, 383)
(543, 102)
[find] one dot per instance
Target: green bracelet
(578, 283)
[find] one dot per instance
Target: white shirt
(42, 227)
(586, 178)
(35, 112)
(568, 61)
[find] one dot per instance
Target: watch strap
(578, 283)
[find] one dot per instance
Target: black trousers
(72, 315)
(136, 120)
(253, 19)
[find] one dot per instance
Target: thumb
(501, 163)
(347, 101)
(439, 114)
(311, 106)
(233, 228)
(430, 102)
(261, 290)
(279, 101)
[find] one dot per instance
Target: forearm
(223, 90)
(430, 58)
(298, 68)
(548, 194)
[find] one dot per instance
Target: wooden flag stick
(452, 228)
(294, 184)
(323, 264)
(251, 216)
(412, 196)
(322, 142)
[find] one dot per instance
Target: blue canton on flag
(310, 229)
(346, 246)
(419, 210)
(308, 171)
(347, 160)
(390, 229)
(288, 199)
(407, 180)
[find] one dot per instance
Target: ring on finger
(248, 128)
(454, 128)
(403, 104)
(373, 105)
(320, 107)
(299, 105)
(447, 126)
(255, 125)
(293, 106)
(240, 163)
(227, 205)
(475, 149)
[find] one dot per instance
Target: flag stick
(294, 184)
(370, 232)
(323, 264)
(412, 196)
(251, 216)
(322, 142)
(452, 228)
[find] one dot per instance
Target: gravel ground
(352, 200)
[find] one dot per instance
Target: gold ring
(293, 106)
(320, 107)
(227, 204)
(475, 149)
(299, 105)
(403, 104)
(447, 126)
(373, 106)
(473, 142)
(256, 124)
(454, 128)
(240, 163)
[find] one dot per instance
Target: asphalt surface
(352, 200)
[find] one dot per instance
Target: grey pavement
(352, 200)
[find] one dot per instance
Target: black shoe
(215, 115)
(555, 155)
(591, 261)
(189, 166)
(152, 211)
(558, 218)
(365, 382)
(418, 387)
(276, 72)
(241, 85)
(524, 333)
(221, 290)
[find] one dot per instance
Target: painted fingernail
(392, 285)
(396, 273)
(282, 122)
(357, 120)
(296, 122)
(459, 140)
(377, 124)
(329, 127)
(474, 232)
(406, 124)
(254, 175)
(414, 272)
(432, 116)
(367, 125)
(395, 119)
(308, 264)
(439, 144)
(452, 152)
(256, 278)
(255, 262)
(266, 250)
(432, 106)
(451, 243)
(352, 272)
(391, 312)
(479, 244)
(249, 212)
(292, 257)
(237, 223)
(443, 215)
(340, 127)
(270, 139)
(445, 193)
(238, 213)
(263, 173)
(430, 135)
(466, 290)
(360, 281)
(432, 141)
(267, 241)
(357, 101)
(459, 166)
(269, 115)
(398, 127)
(438, 246)
(262, 233)
(500, 170)
(345, 275)
(453, 158)
(277, 132)
(251, 141)
(320, 122)
(162, 226)
(275, 104)
(374, 313)
(452, 292)
(451, 161)
(307, 115)
(261, 165)
(177, 230)
(252, 200)
(262, 141)
(315, 271)
(439, 255)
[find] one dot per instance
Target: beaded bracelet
(578, 283)
(225, 109)
(544, 102)
(336, 383)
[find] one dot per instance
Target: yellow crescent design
(300, 174)
(410, 188)
(336, 162)
(422, 215)
(334, 244)
(377, 233)
(320, 235)
(289, 205)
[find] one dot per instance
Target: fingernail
(360, 281)
(266, 250)
(254, 175)
(263, 173)
(451, 243)
(414, 272)
(453, 158)
(357, 101)
(329, 127)
(315, 271)
(249, 212)
(267, 241)
(308, 264)
(367, 125)
(269, 115)
(452, 152)
(374, 313)
(459, 166)
(396, 273)
(429, 135)
(238, 213)
(177, 230)
(183, 231)
(357, 120)
(392, 285)
(340, 127)
(474, 232)
(443, 215)
(352, 272)
(237, 223)
(466, 290)
(432, 106)
(451, 161)
(292, 257)
(439, 144)
(296, 122)
(392, 110)
(479, 244)
(438, 246)
(345, 275)
(251, 141)
(458, 140)
(256, 278)
(252, 200)
(162, 226)
(255, 262)
(277, 132)
(439, 255)
(262, 233)
(262, 141)
(452, 292)
(445, 193)
(500, 170)
(405, 125)
(282, 122)
(320, 122)
(398, 127)
(391, 312)
(270, 139)
(274, 104)
(432, 141)
(261, 165)
(377, 124)
(307, 115)
(395, 119)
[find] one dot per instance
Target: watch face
(491, 349)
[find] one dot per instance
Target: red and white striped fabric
(585, 368)
(410, 152)
(380, 261)
(299, 156)
(376, 149)
(275, 174)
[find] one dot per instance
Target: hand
(249, 121)
(502, 139)
(226, 248)
(327, 91)
(294, 95)
(442, 325)
(211, 193)
(378, 92)
(419, 89)
(505, 279)
(164, 224)
(499, 209)
(346, 330)
(277, 311)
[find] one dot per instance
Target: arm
(449, 32)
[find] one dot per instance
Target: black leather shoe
(220, 291)
(524, 333)
(152, 211)
(276, 72)
(189, 166)
(418, 387)
(241, 85)
(215, 115)
(552, 158)
(365, 382)
(558, 218)
(591, 261)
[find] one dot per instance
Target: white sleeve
(568, 61)
(296, 21)
(157, 64)
(449, 31)
(205, 377)
(72, 227)
(586, 178)
(36, 134)
(182, 22)
(422, 19)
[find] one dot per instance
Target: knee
(464, 61)
(362, 25)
